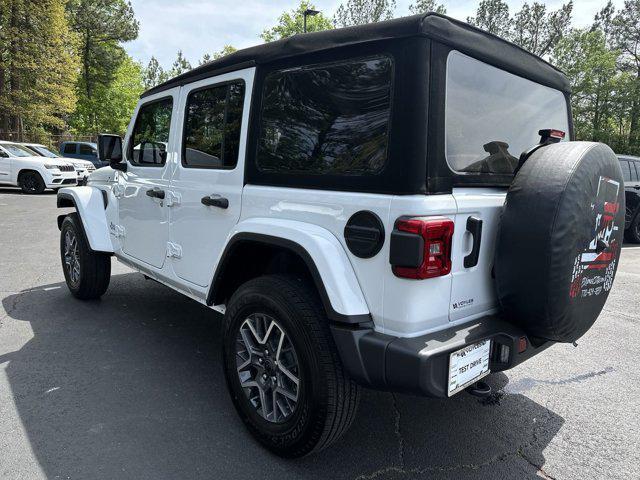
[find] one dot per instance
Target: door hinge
(174, 250)
(116, 230)
(172, 198)
(118, 190)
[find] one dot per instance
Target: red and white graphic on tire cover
(594, 267)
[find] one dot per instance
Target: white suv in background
(19, 167)
(84, 168)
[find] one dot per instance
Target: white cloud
(200, 26)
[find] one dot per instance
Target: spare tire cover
(559, 240)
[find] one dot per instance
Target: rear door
(474, 237)
(209, 171)
(491, 117)
(150, 153)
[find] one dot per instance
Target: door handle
(474, 226)
(155, 192)
(215, 201)
(637, 187)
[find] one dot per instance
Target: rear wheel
(633, 232)
(87, 273)
(31, 183)
(282, 368)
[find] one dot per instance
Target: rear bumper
(420, 365)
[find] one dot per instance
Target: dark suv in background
(631, 172)
(81, 150)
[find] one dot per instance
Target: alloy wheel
(72, 257)
(267, 366)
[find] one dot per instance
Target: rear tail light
(434, 252)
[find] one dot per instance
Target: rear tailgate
(477, 218)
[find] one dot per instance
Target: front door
(208, 177)
(149, 153)
(5, 167)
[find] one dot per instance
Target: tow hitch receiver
(479, 389)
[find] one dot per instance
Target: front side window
(87, 149)
(492, 116)
(327, 119)
(44, 151)
(150, 136)
(213, 119)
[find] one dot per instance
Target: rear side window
(213, 119)
(69, 148)
(626, 173)
(492, 116)
(327, 119)
(150, 136)
(635, 171)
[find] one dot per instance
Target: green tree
(102, 26)
(153, 74)
(226, 50)
(626, 33)
(111, 106)
(292, 22)
(359, 12)
(492, 16)
(180, 65)
(424, 6)
(591, 66)
(539, 30)
(38, 63)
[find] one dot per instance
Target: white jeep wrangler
(366, 206)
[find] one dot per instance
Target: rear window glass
(327, 118)
(492, 116)
(69, 148)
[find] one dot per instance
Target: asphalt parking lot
(131, 387)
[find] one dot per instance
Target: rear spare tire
(559, 240)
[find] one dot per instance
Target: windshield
(44, 151)
(492, 116)
(17, 150)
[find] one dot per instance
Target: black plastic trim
(474, 227)
(297, 249)
(364, 234)
(65, 200)
(419, 365)
(406, 249)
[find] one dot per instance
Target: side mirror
(110, 150)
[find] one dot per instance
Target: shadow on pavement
(131, 386)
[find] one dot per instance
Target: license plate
(468, 365)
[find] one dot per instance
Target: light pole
(310, 13)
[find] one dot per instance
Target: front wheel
(31, 183)
(282, 368)
(86, 272)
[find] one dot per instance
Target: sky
(200, 26)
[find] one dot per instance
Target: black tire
(31, 183)
(327, 398)
(560, 238)
(632, 234)
(87, 273)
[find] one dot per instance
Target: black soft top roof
(459, 35)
